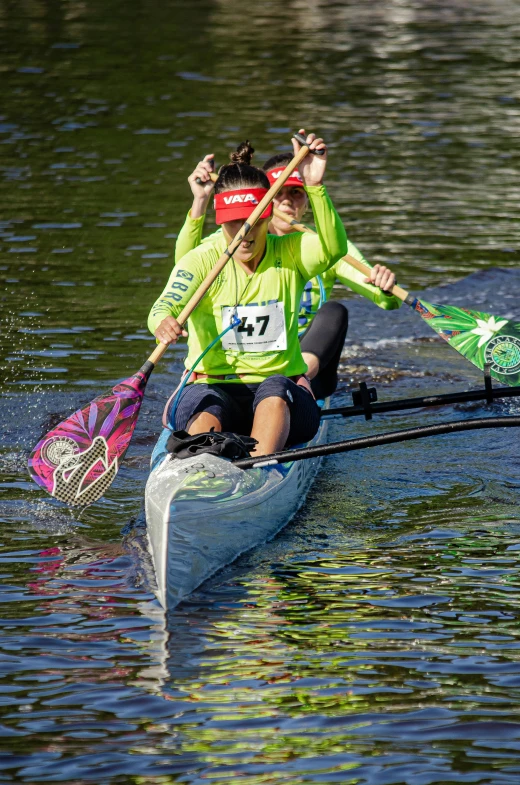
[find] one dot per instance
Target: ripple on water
(376, 639)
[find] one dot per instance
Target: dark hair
(280, 159)
(239, 173)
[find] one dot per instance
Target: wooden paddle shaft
(232, 247)
(400, 293)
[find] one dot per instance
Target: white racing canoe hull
(203, 512)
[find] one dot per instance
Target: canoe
(203, 512)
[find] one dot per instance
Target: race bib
(262, 328)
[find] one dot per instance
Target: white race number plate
(262, 328)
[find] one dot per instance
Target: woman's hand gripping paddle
(78, 460)
(481, 338)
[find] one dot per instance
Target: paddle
(481, 338)
(78, 459)
(349, 445)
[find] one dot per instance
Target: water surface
(375, 641)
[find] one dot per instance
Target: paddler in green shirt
(253, 380)
(323, 323)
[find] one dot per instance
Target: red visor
(294, 179)
(234, 205)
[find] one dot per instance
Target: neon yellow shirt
(288, 263)
(190, 237)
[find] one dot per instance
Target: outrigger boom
(349, 445)
(364, 400)
(365, 403)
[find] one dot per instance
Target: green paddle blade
(481, 338)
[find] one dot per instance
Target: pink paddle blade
(78, 460)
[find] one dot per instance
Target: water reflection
(322, 666)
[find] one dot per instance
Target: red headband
(232, 205)
(294, 179)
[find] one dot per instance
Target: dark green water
(376, 640)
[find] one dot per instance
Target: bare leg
(271, 425)
(313, 364)
(203, 422)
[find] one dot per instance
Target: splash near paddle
(78, 460)
(481, 338)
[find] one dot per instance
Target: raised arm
(322, 250)
(190, 235)
(316, 253)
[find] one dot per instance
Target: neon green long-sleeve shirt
(190, 237)
(278, 283)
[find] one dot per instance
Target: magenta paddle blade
(77, 461)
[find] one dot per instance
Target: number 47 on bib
(261, 328)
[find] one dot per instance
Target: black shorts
(325, 338)
(234, 405)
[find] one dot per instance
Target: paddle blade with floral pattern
(481, 338)
(77, 461)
